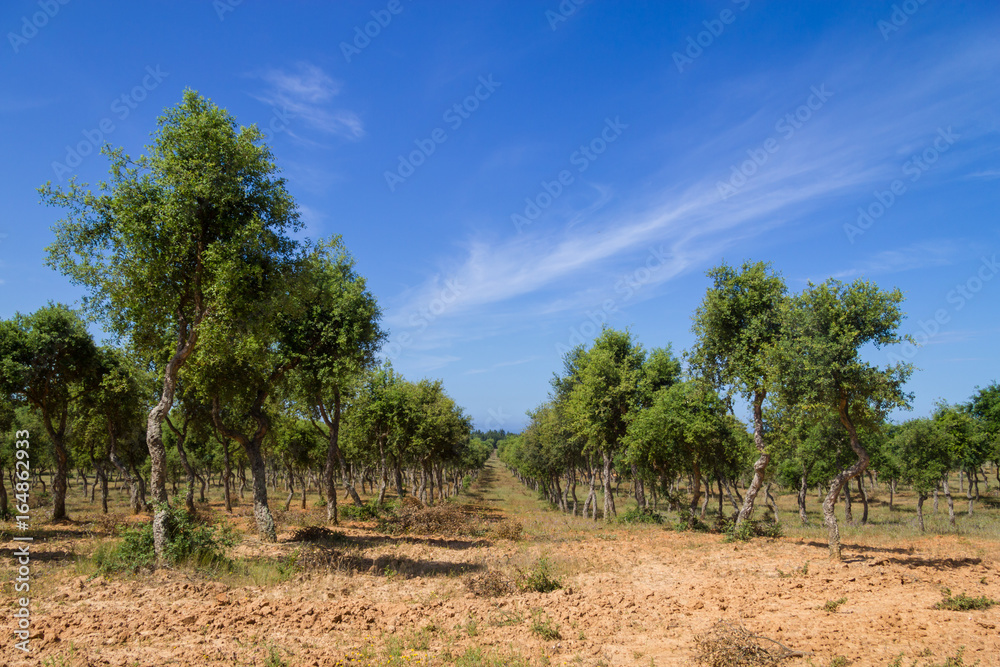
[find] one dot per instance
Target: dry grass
(491, 584)
(728, 645)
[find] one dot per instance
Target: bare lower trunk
(968, 496)
(609, 500)
(838, 483)
(864, 500)
(4, 501)
(920, 510)
(951, 502)
(695, 488)
(261, 512)
(227, 474)
(803, 490)
(771, 502)
(760, 466)
(640, 491)
(291, 488)
(848, 513)
(102, 477)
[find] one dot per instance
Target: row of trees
(618, 411)
(230, 329)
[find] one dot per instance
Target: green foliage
(370, 511)
(963, 602)
(833, 605)
(640, 515)
(189, 543)
(539, 578)
(544, 626)
(750, 529)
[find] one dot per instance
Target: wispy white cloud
(926, 254)
(305, 93)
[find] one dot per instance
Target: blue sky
(511, 175)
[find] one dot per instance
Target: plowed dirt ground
(629, 596)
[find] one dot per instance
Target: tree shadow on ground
(907, 559)
(330, 559)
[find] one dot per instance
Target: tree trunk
(864, 500)
(803, 490)
(227, 473)
(760, 466)
(892, 493)
(920, 510)
(261, 512)
(609, 500)
(771, 502)
(695, 488)
(399, 480)
(291, 487)
(848, 513)
(384, 475)
(968, 495)
(829, 503)
(4, 501)
(951, 503)
(187, 336)
(59, 479)
(182, 454)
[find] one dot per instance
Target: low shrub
(750, 529)
(963, 602)
(188, 542)
(539, 579)
(543, 626)
(640, 515)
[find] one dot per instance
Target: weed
(543, 626)
(539, 579)
(833, 605)
(491, 583)
(963, 602)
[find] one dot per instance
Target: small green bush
(188, 542)
(640, 515)
(688, 521)
(539, 579)
(963, 602)
(833, 605)
(750, 529)
(370, 511)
